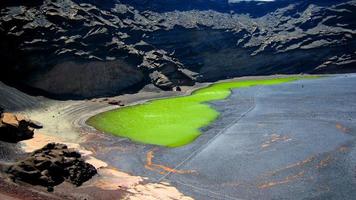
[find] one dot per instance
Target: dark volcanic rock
(52, 165)
(164, 71)
(14, 128)
(93, 48)
(115, 102)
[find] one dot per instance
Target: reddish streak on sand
(275, 138)
(161, 168)
(342, 128)
(288, 178)
(285, 180)
(325, 162)
(298, 164)
(343, 149)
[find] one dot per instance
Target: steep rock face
(87, 79)
(285, 41)
(252, 8)
(91, 48)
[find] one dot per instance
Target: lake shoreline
(180, 126)
(64, 121)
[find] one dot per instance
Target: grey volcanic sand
(289, 141)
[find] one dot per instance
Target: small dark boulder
(116, 102)
(177, 88)
(51, 165)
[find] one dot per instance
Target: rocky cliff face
(88, 48)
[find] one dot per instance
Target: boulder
(177, 88)
(14, 128)
(160, 80)
(51, 165)
(115, 102)
(35, 124)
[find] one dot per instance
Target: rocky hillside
(86, 48)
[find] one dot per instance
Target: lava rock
(177, 88)
(164, 70)
(162, 81)
(51, 165)
(14, 128)
(115, 102)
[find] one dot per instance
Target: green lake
(174, 121)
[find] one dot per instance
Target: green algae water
(175, 121)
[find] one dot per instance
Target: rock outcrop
(87, 48)
(164, 71)
(14, 128)
(52, 165)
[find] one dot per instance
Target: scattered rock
(177, 88)
(115, 102)
(52, 165)
(14, 128)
